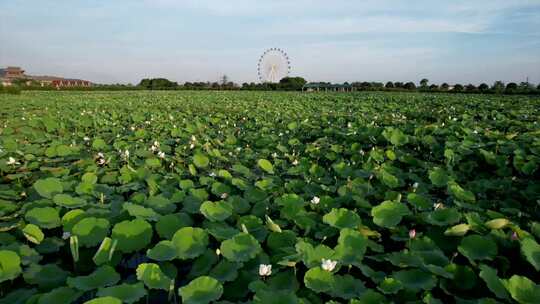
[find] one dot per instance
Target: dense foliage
(194, 197)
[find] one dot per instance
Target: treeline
(498, 87)
(294, 84)
(286, 84)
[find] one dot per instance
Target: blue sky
(198, 40)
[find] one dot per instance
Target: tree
(398, 84)
(538, 87)
(445, 86)
(389, 85)
(410, 86)
(498, 87)
(458, 88)
(424, 83)
(433, 87)
(470, 88)
(511, 88)
(292, 83)
(483, 88)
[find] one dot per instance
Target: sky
(123, 41)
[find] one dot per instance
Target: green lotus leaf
(33, 233)
(45, 217)
(203, 264)
(395, 136)
(201, 160)
(99, 144)
(127, 293)
(464, 277)
(68, 201)
(291, 205)
(225, 271)
(351, 247)
(319, 280)
(89, 177)
(163, 251)
(461, 194)
(18, 296)
(101, 277)
(443, 217)
(390, 286)
(266, 166)
(531, 251)
(346, 287)
(457, 230)
(438, 177)
(48, 187)
(216, 211)
(419, 201)
(388, 179)
(312, 256)
(370, 297)
(167, 225)
(160, 204)
(388, 214)
(476, 247)
(493, 282)
(275, 297)
(72, 217)
(190, 242)
(241, 248)
(415, 280)
(522, 289)
(91, 231)
(153, 277)
(139, 211)
(60, 295)
(46, 276)
(342, 218)
(132, 235)
(202, 290)
(104, 300)
(10, 265)
(105, 251)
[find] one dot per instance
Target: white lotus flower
(192, 146)
(415, 185)
(218, 252)
(12, 161)
(328, 265)
(156, 143)
(125, 154)
(101, 161)
(437, 206)
(315, 200)
(265, 270)
(86, 138)
(274, 155)
(153, 148)
(193, 138)
(295, 162)
(224, 195)
(212, 174)
(161, 154)
(132, 128)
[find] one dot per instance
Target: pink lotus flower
(412, 233)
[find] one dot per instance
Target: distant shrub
(10, 90)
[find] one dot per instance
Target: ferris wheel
(274, 65)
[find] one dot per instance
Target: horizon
(124, 42)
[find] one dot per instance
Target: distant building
(10, 75)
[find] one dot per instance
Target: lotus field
(245, 197)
